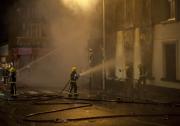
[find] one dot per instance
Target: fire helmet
(74, 68)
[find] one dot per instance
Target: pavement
(14, 110)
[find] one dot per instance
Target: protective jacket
(13, 74)
(74, 76)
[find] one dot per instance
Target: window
(172, 9)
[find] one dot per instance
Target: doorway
(170, 61)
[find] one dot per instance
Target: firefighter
(129, 73)
(5, 73)
(142, 75)
(12, 76)
(129, 80)
(142, 81)
(73, 82)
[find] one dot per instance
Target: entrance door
(170, 62)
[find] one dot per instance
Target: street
(46, 108)
(89, 62)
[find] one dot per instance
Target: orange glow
(85, 5)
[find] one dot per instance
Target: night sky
(4, 6)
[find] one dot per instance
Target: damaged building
(143, 32)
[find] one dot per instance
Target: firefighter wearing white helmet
(73, 82)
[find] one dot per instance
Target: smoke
(69, 26)
(78, 6)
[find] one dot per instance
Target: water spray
(99, 67)
(38, 60)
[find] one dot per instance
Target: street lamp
(103, 46)
(91, 57)
(87, 5)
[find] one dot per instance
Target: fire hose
(57, 120)
(43, 98)
(38, 97)
(59, 95)
(66, 85)
(83, 105)
(60, 110)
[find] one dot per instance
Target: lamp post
(103, 46)
(90, 65)
(86, 5)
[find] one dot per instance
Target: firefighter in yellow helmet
(12, 71)
(73, 82)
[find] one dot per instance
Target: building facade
(28, 33)
(166, 48)
(131, 34)
(144, 32)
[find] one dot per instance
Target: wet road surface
(71, 112)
